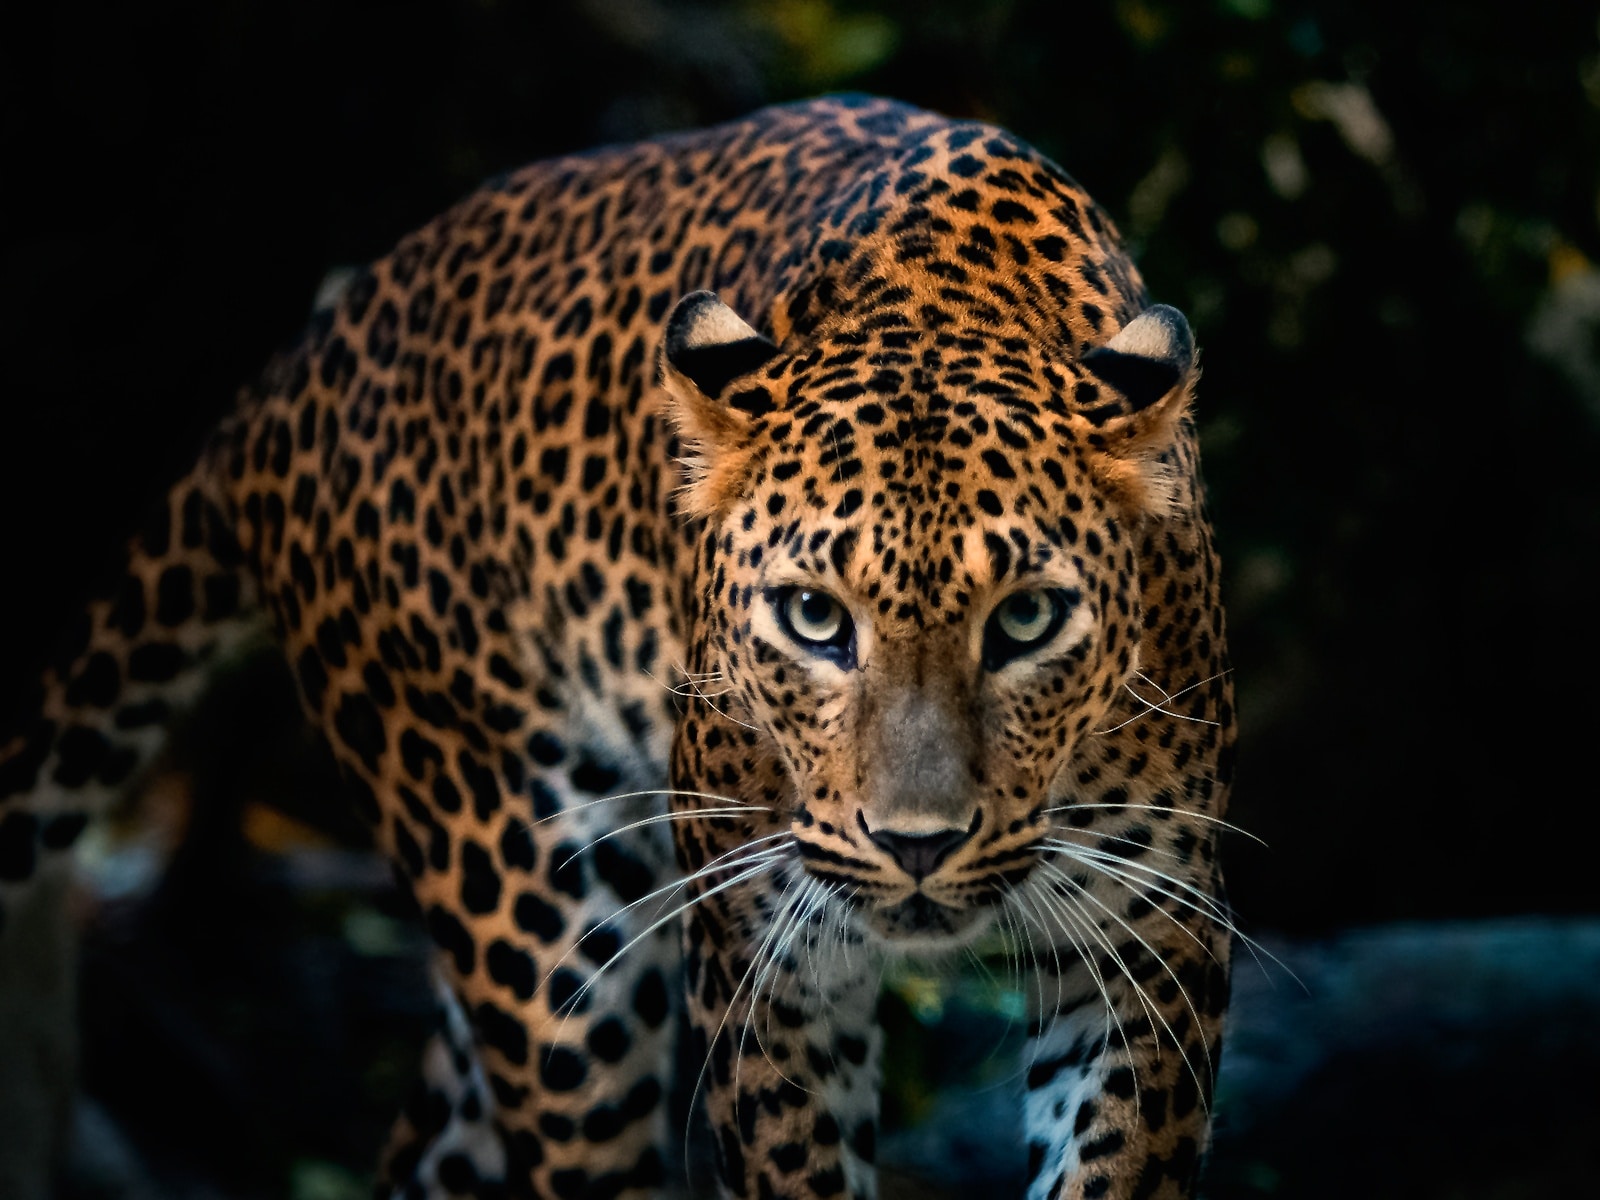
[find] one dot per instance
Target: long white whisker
(1051, 901)
(735, 720)
(1145, 679)
(728, 860)
(1068, 922)
(692, 683)
(1156, 808)
(747, 867)
(1166, 699)
(763, 963)
(1151, 1010)
(659, 818)
(702, 675)
(800, 923)
(1111, 837)
(569, 809)
(1153, 708)
(768, 859)
(832, 915)
(1092, 856)
(1080, 918)
(688, 690)
(1199, 1027)
(847, 937)
(711, 1042)
(1033, 953)
(1199, 900)
(1013, 940)
(692, 688)
(1134, 883)
(691, 679)
(1056, 900)
(1125, 873)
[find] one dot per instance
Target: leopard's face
(925, 647)
(920, 590)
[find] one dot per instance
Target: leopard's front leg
(782, 1004)
(1122, 1061)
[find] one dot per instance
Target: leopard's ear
(706, 348)
(1136, 393)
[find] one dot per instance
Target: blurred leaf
(310, 1179)
(1147, 23)
(1252, 10)
(828, 47)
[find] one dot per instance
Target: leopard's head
(918, 585)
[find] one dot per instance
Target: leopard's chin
(919, 924)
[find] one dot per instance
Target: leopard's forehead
(922, 486)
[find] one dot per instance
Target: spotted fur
(719, 563)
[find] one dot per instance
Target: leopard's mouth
(920, 922)
(945, 909)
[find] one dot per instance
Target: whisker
(711, 1042)
(1145, 679)
(681, 669)
(690, 689)
(1068, 922)
(1107, 837)
(1033, 953)
(750, 864)
(569, 809)
(763, 861)
(1182, 692)
(847, 937)
(1202, 902)
(1151, 707)
(742, 724)
(800, 926)
(1155, 808)
(1151, 1011)
(1074, 917)
(1211, 909)
(1048, 901)
(658, 818)
(688, 675)
(1080, 918)
(1089, 855)
(772, 942)
(1134, 883)
(728, 860)
(693, 688)
(1012, 942)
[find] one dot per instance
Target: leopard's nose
(919, 854)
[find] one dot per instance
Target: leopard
(723, 566)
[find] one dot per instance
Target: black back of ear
(1153, 354)
(709, 344)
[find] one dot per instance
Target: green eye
(814, 616)
(817, 621)
(1023, 622)
(1025, 617)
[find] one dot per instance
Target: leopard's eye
(1025, 617)
(1023, 622)
(814, 616)
(817, 621)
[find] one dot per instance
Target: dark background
(1380, 217)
